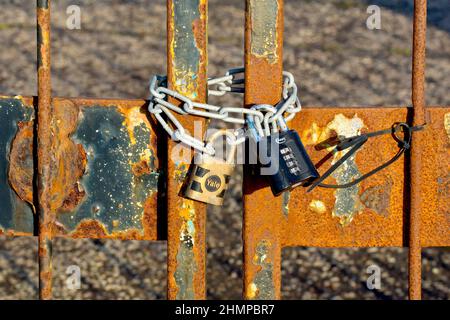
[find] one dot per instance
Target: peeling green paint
(186, 54)
(186, 264)
(264, 14)
(115, 194)
(15, 214)
(262, 285)
(43, 4)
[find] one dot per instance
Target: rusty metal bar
(418, 100)
(263, 83)
(46, 163)
(186, 69)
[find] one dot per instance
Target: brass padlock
(208, 176)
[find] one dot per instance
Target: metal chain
(159, 106)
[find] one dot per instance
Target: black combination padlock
(283, 159)
(289, 160)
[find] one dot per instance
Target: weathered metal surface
(186, 64)
(263, 213)
(264, 32)
(418, 101)
(262, 285)
(380, 219)
(16, 167)
(47, 163)
(111, 188)
(107, 185)
(347, 203)
(435, 179)
(378, 199)
(96, 166)
(264, 49)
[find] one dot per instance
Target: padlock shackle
(229, 135)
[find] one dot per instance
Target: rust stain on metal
(94, 229)
(71, 158)
(21, 165)
(262, 287)
(264, 33)
(378, 198)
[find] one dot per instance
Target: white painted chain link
(261, 117)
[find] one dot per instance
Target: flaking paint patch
(317, 206)
(447, 124)
(285, 206)
(264, 19)
(262, 287)
(134, 118)
(347, 203)
(186, 264)
(43, 4)
(185, 52)
(180, 172)
(120, 175)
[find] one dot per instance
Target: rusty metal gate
(98, 168)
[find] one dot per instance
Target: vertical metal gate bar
(44, 141)
(262, 212)
(418, 100)
(186, 69)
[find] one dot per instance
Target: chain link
(269, 116)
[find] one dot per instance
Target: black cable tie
(356, 142)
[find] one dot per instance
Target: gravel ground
(337, 60)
